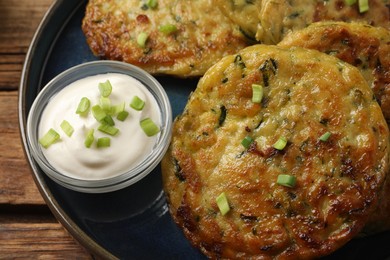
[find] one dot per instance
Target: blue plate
(133, 223)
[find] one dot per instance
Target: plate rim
(77, 233)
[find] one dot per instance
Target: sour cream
(128, 148)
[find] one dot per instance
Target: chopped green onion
(350, 2)
(103, 142)
(152, 4)
(122, 115)
(286, 180)
(105, 104)
(247, 141)
(83, 106)
(89, 139)
(119, 108)
(67, 128)
(281, 143)
(363, 6)
(257, 93)
(223, 203)
(149, 127)
(108, 129)
(167, 28)
(98, 113)
(137, 103)
(108, 120)
(325, 136)
(105, 88)
(49, 138)
(142, 38)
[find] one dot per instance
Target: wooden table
(28, 230)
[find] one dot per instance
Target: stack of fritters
(328, 74)
(205, 30)
(275, 18)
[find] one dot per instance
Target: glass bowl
(122, 180)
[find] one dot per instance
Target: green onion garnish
(142, 38)
(67, 128)
(223, 203)
(103, 142)
(98, 113)
(149, 127)
(105, 88)
(83, 106)
(137, 103)
(49, 138)
(89, 139)
(122, 115)
(247, 141)
(108, 120)
(325, 136)
(152, 4)
(286, 180)
(350, 2)
(119, 108)
(281, 143)
(108, 129)
(105, 104)
(363, 6)
(257, 93)
(167, 28)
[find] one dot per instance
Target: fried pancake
(242, 12)
(306, 93)
(279, 17)
(367, 48)
(203, 34)
(364, 46)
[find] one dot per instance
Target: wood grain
(28, 230)
(16, 183)
(19, 20)
(38, 240)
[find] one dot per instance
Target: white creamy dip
(128, 148)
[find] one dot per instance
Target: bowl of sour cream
(100, 126)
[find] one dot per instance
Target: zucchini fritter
(305, 94)
(268, 21)
(198, 36)
(362, 45)
(279, 17)
(242, 12)
(367, 48)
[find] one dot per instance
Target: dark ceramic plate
(132, 223)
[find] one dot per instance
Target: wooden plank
(10, 71)
(38, 241)
(16, 182)
(19, 20)
(27, 228)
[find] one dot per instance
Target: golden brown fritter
(305, 94)
(279, 17)
(364, 46)
(242, 12)
(201, 36)
(367, 48)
